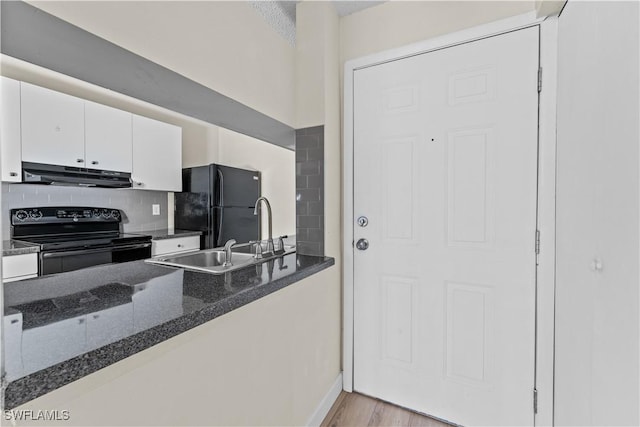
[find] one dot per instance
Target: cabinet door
(157, 155)
(12, 345)
(47, 345)
(175, 245)
(52, 127)
(107, 137)
(157, 301)
(10, 130)
(18, 267)
(109, 325)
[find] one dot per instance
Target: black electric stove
(71, 238)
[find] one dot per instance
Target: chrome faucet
(270, 248)
(227, 252)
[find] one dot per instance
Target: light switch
(155, 209)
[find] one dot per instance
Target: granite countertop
(169, 233)
(62, 327)
(17, 247)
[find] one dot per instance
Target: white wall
(597, 320)
(397, 23)
(318, 103)
(225, 45)
(268, 363)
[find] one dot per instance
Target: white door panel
(52, 126)
(108, 133)
(157, 155)
(445, 169)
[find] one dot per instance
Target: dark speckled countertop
(169, 233)
(16, 247)
(61, 327)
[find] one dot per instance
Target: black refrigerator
(218, 200)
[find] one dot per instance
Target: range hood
(38, 173)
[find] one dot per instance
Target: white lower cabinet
(157, 301)
(12, 324)
(18, 267)
(175, 245)
(109, 325)
(53, 343)
(157, 155)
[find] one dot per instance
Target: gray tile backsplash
(134, 204)
(310, 190)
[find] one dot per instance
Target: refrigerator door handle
(221, 187)
(219, 242)
(222, 204)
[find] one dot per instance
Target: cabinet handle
(139, 184)
(180, 245)
(80, 160)
(94, 162)
(96, 316)
(80, 321)
(13, 173)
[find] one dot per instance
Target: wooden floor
(353, 409)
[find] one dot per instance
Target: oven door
(59, 262)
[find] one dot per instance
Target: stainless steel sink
(208, 260)
(212, 260)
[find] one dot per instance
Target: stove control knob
(115, 214)
(96, 213)
(105, 213)
(22, 215)
(35, 214)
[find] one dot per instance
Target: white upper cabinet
(107, 138)
(10, 130)
(157, 155)
(44, 126)
(52, 127)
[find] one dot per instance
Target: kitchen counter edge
(25, 389)
(17, 247)
(168, 233)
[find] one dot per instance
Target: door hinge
(539, 79)
(537, 242)
(535, 401)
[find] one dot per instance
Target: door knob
(363, 221)
(362, 244)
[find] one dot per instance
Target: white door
(157, 155)
(107, 137)
(445, 170)
(52, 127)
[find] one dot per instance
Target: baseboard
(324, 406)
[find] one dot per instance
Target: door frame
(545, 287)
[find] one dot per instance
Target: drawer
(174, 245)
(16, 267)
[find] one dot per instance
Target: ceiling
(281, 15)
